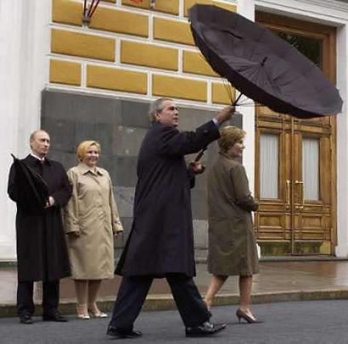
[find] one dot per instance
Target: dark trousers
(133, 291)
(50, 297)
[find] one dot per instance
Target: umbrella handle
(199, 155)
(201, 152)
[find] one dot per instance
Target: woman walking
(232, 244)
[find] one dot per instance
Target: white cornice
(340, 5)
(331, 4)
(329, 11)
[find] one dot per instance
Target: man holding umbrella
(160, 244)
(40, 188)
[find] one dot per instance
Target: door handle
(287, 194)
(301, 200)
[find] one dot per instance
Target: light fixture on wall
(88, 11)
(152, 2)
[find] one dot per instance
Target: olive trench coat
(41, 248)
(161, 238)
(93, 213)
(232, 245)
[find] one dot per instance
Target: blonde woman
(232, 244)
(91, 221)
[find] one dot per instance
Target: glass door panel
(310, 168)
(269, 162)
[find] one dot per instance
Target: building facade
(96, 81)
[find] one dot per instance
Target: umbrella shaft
(236, 101)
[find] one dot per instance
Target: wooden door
(296, 162)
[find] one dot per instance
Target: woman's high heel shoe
(98, 315)
(83, 316)
(95, 312)
(82, 312)
(242, 315)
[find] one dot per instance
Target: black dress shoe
(206, 329)
(56, 316)
(25, 319)
(119, 333)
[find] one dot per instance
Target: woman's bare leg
(245, 286)
(81, 288)
(93, 289)
(215, 285)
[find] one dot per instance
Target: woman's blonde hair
(229, 136)
(83, 147)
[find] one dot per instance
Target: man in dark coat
(41, 247)
(161, 244)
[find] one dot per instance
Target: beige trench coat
(232, 245)
(92, 211)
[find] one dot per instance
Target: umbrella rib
(236, 101)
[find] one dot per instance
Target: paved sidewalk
(277, 281)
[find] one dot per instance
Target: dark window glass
(310, 47)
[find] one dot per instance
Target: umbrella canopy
(261, 65)
(32, 190)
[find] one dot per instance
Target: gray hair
(156, 107)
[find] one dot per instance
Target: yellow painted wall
(131, 48)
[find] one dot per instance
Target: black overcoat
(41, 246)
(161, 238)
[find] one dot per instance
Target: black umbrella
(32, 191)
(261, 65)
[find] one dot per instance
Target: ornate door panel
(296, 160)
(310, 187)
(295, 184)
